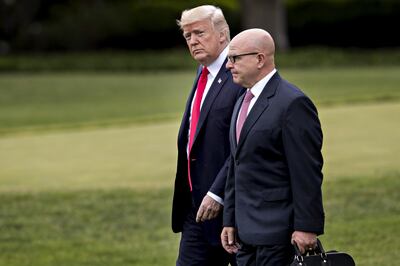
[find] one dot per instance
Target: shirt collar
(215, 66)
(259, 86)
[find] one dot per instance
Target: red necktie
(243, 113)
(201, 85)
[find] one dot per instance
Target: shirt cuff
(216, 198)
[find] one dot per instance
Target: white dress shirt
(257, 89)
(213, 70)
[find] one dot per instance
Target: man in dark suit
(273, 192)
(203, 141)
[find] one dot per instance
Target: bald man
(273, 190)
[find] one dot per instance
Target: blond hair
(205, 12)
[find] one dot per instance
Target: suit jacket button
(193, 159)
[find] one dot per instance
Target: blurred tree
(16, 18)
(269, 15)
(76, 25)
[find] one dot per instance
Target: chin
(202, 58)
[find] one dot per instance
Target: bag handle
(297, 256)
(318, 251)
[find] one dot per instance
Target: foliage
(44, 25)
(73, 25)
(343, 23)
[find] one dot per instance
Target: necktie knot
(205, 71)
(243, 113)
(248, 96)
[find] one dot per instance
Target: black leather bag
(319, 257)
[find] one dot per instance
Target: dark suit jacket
(274, 179)
(209, 152)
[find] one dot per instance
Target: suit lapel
(185, 119)
(235, 114)
(212, 94)
(259, 107)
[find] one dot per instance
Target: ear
(260, 60)
(222, 37)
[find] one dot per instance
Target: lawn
(87, 163)
(62, 100)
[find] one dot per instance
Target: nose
(193, 39)
(229, 64)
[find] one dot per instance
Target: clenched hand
(228, 240)
(305, 241)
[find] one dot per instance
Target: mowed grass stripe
(49, 100)
(141, 156)
(359, 141)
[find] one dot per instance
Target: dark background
(74, 25)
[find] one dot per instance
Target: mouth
(197, 51)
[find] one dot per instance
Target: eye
(232, 58)
(187, 36)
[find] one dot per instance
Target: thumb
(231, 237)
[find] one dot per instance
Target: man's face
(243, 64)
(204, 42)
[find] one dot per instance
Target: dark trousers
(196, 250)
(274, 255)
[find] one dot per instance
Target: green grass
(362, 218)
(115, 227)
(120, 227)
(137, 157)
(111, 61)
(71, 100)
(100, 192)
(131, 227)
(102, 196)
(143, 156)
(179, 59)
(43, 101)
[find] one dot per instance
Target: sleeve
(229, 199)
(215, 197)
(302, 140)
(218, 187)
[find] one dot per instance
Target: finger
(230, 250)
(200, 214)
(204, 214)
(224, 241)
(302, 250)
(212, 213)
(231, 238)
(224, 238)
(314, 243)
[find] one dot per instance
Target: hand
(209, 209)
(305, 241)
(228, 240)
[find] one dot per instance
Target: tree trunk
(269, 15)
